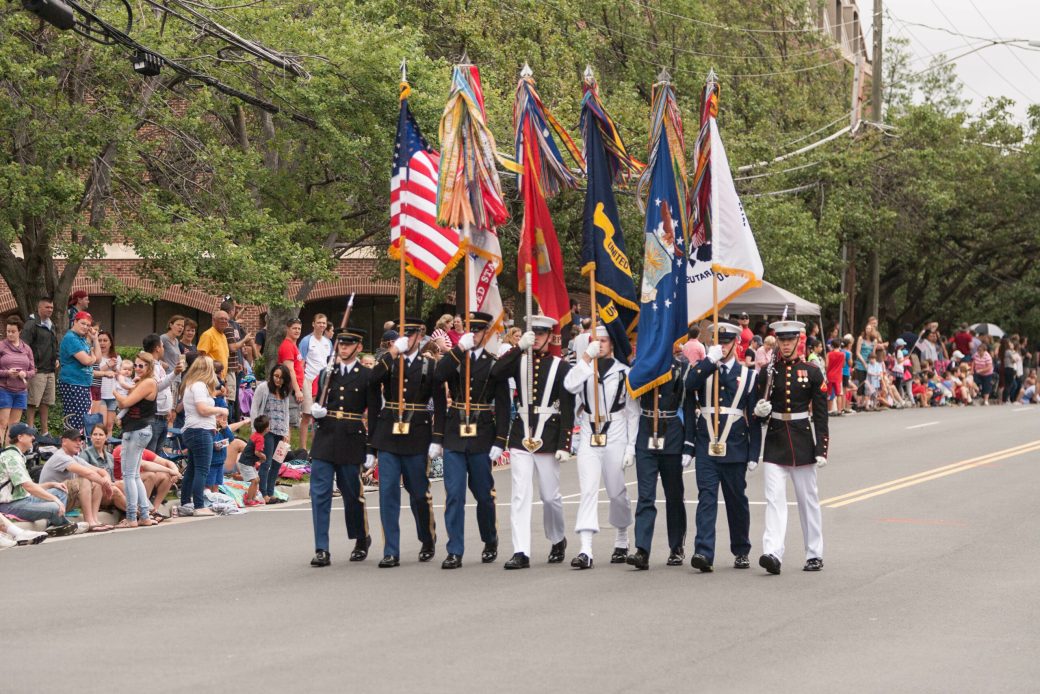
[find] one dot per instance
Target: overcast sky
(993, 71)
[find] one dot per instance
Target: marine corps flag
(543, 174)
(603, 244)
(722, 240)
(662, 193)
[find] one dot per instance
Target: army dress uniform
(661, 456)
(603, 448)
(467, 445)
(547, 415)
(796, 441)
(724, 464)
(339, 449)
(403, 446)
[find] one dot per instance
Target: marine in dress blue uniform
(793, 406)
(661, 455)
(722, 454)
(404, 441)
(340, 447)
(472, 446)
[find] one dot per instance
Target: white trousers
(604, 462)
(803, 477)
(522, 466)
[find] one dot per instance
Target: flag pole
(710, 82)
(467, 230)
(401, 287)
(597, 438)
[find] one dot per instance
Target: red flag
(539, 248)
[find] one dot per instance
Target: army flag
(662, 194)
(603, 243)
(723, 243)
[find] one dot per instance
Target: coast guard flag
(722, 241)
(662, 314)
(603, 244)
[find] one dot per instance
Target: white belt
(789, 416)
(722, 410)
(662, 414)
(545, 410)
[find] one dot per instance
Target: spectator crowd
(195, 419)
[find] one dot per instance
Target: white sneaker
(26, 537)
(7, 541)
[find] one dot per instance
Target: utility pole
(876, 116)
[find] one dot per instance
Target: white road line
(689, 502)
(1018, 410)
(922, 426)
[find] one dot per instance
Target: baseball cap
(22, 428)
(73, 434)
(83, 315)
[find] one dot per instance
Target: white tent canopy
(770, 300)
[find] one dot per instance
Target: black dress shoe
(452, 561)
(321, 558)
(618, 557)
(769, 563)
(361, 548)
(427, 552)
(518, 561)
(640, 559)
(582, 561)
(814, 564)
(741, 562)
(558, 552)
(699, 561)
(389, 561)
(490, 553)
(677, 557)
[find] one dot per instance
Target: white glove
(629, 459)
(436, 450)
(715, 354)
(763, 408)
(401, 345)
(821, 461)
(317, 411)
(561, 456)
(466, 342)
(370, 461)
(495, 453)
(526, 341)
(751, 465)
(687, 460)
(592, 351)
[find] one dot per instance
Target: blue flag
(603, 244)
(662, 316)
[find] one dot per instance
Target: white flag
(731, 253)
(484, 257)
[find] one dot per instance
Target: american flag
(430, 250)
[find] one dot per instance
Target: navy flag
(662, 319)
(603, 244)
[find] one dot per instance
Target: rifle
(332, 357)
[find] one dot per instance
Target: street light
(54, 12)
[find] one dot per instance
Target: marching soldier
(793, 400)
(722, 455)
(340, 446)
(540, 437)
(471, 446)
(606, 446)
(660, 452)
(402, 435)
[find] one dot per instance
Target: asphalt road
(929, 586)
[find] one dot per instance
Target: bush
(127, 352)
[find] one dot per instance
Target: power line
(808, 148)
(981, 57)
(1013, 54)
(777, 173)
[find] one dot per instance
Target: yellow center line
(927, 475)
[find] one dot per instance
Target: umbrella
(988, 329)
